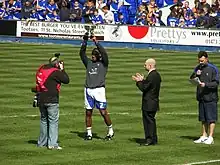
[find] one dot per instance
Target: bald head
(150, 64)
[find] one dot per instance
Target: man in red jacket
(49, 78)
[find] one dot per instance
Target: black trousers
(150, 128)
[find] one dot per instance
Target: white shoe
(210, 140)
(55, 148)
(202, 139)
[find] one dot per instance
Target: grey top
(95, 71)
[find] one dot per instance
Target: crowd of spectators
(135, 12)
(202, 15)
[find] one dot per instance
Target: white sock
(89, 131)
(110, 130)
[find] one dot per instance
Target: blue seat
(124, 11)
(114, 6)
(131, 20)
(129, 2)
(132, 10)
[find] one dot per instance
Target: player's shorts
(208, 111)
(95, 98)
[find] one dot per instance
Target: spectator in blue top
(172, 19)
(187, 10)
(51, 11)
(14, 9)
(182, 23)
(140, 15)
(97, 18)
(34, 15)
(191, 22)
(3, 13)
(41, 9)
(121, 19)
(113, 5)
(88, 11)
(142, 20)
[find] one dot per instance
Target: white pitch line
(204, 162)
(120, 113)
(176, 113)
(62, 114)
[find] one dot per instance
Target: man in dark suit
(150, 100)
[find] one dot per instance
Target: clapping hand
(138, 77)
(202, 84)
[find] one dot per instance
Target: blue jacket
(210, 76)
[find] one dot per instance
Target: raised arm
(82, 52)
(61, 77)
(102, 51)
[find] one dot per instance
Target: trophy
(90, 30)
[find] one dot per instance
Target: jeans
(48, 124)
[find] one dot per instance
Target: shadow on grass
(189, 137)
(83, 134)
(137, 140)
(32, 141)
(35, 142)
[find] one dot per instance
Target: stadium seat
(114, 7)
(124, 11)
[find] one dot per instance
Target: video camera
(89, 32)
(57, 55)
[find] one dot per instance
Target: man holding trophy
(94, 92)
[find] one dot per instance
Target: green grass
(177, 120)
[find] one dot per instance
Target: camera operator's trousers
(49, 125)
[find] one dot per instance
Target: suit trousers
(150, 129)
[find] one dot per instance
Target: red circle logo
(138, 32)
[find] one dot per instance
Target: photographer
(94, 92)
(49, 78)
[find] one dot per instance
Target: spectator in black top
(76, 13)
(48, 81)
(27, 9)
(203, 4)
(64, 9)
(88, 11)
(201, 20)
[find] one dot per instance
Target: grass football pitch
(177, 119)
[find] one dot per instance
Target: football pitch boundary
(119, 113)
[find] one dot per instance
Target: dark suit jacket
(151, 89)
